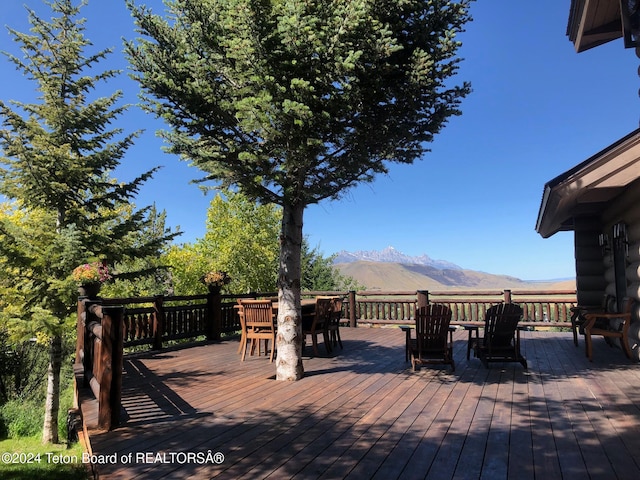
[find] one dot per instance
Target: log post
(507, 296)
(423, 298)
(214, 314)
(352, 309)
(79, 332)
(158, 321)
(89, 350)
(111, 358)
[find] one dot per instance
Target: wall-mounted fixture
(620, 237)
(630, 12)
(603, 241)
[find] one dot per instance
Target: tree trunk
(289, 340)
(50, 430)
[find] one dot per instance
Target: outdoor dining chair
(501, 338)
(333, 326)
(318, 324)
(259, 324)
(434, 336)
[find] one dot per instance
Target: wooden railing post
(111, 358)
(159, 321)
(507, 296)
(423, 298)
(88, 343)
(80, 332)
(352, 309)
(214, 314)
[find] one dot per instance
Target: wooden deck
(362, 413)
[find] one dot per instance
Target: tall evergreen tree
(296, 101)
(57, 155)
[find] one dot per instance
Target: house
(599, 199)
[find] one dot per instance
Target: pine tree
(65, 208)
(295, 102)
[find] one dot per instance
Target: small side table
(471, 329)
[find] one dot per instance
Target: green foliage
(241, 238)
(43, 469)
(297, 101)
(23, 366)
(21, 419)
(64, 208)
(146, 275)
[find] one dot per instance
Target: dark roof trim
(561, 195)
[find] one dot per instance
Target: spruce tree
(64, 206)
(295, 102)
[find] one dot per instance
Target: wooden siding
(362, 413)
(589, 267)
(626, 208)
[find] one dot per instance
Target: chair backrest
(257, 313)
(336, 310)
(432, 326)
(500, 323)
(624, 321)
(322, 313)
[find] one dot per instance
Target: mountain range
(392, 270)
(391, 255)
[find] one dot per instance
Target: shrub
(21, 419)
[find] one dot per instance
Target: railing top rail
(465, 293)
(370, 293)
(538, 293)
(386, 300)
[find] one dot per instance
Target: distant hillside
(391, 255)
(391, 270)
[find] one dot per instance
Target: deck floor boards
(362, 413)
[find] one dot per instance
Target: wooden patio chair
(259, 325)
(243, 328)
(501, 338)
(333, 326)
(609, 325)
(579, 311)
(434, 337)
(318, 324)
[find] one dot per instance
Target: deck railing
(107, 326)
(541, 307)
(99, 357)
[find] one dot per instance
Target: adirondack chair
(434, 337)
(501, 338)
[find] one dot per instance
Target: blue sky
(537, 109)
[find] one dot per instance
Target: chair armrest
(407, 330)
(607, 315)
(590, 320)
(583, 308)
